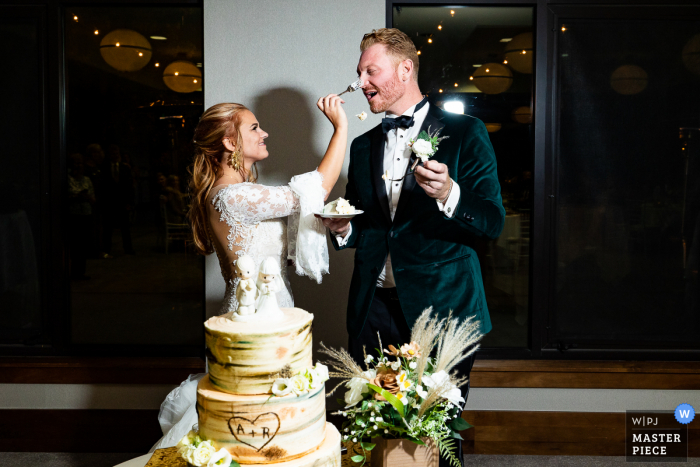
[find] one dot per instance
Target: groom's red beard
(388, 95)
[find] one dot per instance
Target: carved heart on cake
(256, 433)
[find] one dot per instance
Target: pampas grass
(456, 338)
(425, 332)
(344, 365)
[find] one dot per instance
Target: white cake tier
(247, 357)
(261, 429)
(327, 454)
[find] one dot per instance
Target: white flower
(412, 365)
(354, 440)
(369, 358)
(313, 378)
(436, 379)
(220, 458)
(386, 431)
(201, 455)
(402, 397)
(454, 396)
(375, 427)
(385, 176)
(421, 392)
(322, 371)
(187, 439)
(299, 384)
(362, 116)
(404, 383)
(345, 437)
(186, 452)
(281, 387)
(358, 386)
(379, 419)
(423, 149)
(395, 365)
(441, 379)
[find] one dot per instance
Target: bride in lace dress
(233, 216)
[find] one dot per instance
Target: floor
(47, 459)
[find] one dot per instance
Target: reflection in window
(628, 216)
(134, 95)
(21, 158)
(479, 61)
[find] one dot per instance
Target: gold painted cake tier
(262, 429)
(247, 357)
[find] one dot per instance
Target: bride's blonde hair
(218, 122)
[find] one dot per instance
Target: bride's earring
(235, 160)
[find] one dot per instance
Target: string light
(456, 85)
(140, 54)
(75, 18)
(418, 52)
(452, 12)
(440, 90)
(157, 64)
(96, 32)
(177, 72)
(471, 78)
(117, 44)
(440, 27)
(563, 28)
(505, 62)
(430, 41)
(487, 70)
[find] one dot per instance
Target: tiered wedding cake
(237, 407)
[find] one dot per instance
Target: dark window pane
(21, 158)
(134, 96)
(628, 218)
(478, 61)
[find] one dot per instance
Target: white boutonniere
(425, 146)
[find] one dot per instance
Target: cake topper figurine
(353, 87)
(269, 282)
(246, 292)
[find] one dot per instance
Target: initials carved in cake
(255, 433)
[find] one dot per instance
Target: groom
(414, 242)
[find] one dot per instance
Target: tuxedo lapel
(377, 157)
(432, 122)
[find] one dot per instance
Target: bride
(233, 216)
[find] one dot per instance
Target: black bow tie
(404, 121)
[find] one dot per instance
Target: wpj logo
(656, 436)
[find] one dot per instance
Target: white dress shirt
(397, 155)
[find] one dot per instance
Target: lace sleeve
(249, 203)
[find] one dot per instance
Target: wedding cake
(262, 400)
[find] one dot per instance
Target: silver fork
(353, 87)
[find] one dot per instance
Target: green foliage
(234, 464)
(358, 458)
(460, 424)
(390, 398)
(367, 446)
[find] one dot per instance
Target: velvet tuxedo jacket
(433, 260)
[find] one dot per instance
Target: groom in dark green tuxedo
(414, 242)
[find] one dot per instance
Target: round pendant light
(182, 76)
(519, 53)
(492, 78)
(691, 54)
(125, 50)
(522, 115)
(492, 127)
(629, 79)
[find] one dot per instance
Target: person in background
(117, 199)
(81, 198)
(175, 202)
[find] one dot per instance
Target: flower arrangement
(425, 146)
(405, 393)
(201, 453)
(301, 383)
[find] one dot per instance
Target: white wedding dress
(248, 217)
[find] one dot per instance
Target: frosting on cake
(247, 357)
(262, 429)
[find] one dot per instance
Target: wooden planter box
(403, 453)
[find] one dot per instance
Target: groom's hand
(336, 226)
(434, 178)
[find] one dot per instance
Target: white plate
(339, 216)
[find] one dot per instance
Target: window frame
(547, 14)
